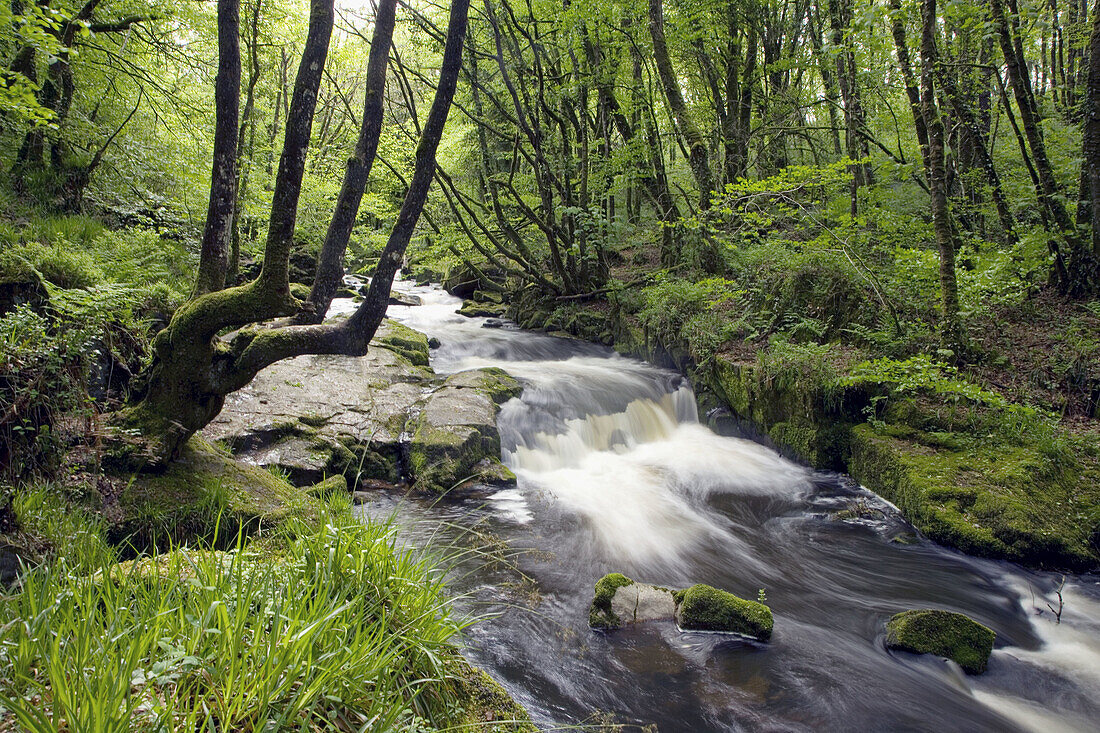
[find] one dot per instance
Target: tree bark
(1091, 134)
(330, 260)
(698, 155)
(214, 255)
(937, 181)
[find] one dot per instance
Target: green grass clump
(333, 627)
(704, 608)
(944, 634)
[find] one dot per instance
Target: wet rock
(399, 298)
(474, 309)
(455, 441)
(434, 343)
(943, 633)
(488, 296)
(619, 601)
(345, 292)
(404, 341)
(703, 608)
(493, 323)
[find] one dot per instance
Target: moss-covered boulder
(704, 608)
(202, 493)
(404, 341)
(619, 601)
(943, 633)
(454, 437)
(474, 309)
(486, 705)
(600, 613)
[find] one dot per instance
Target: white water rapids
(617, 473)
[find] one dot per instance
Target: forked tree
(193, 365)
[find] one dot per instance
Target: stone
(619, 601)
(944, 634)
(473, 309)
(22, 288)
(455, 441)
(493, 323)
(377, 420)
(399, 298)
(434, 343)
(704, 608)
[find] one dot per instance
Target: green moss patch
(704, 608)
(202, 494)
(986, 498)
(943, 633)
(403, 341)
(600, 615)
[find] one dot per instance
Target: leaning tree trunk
(193, 369)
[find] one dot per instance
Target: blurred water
(616, 473)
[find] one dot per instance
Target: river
(618, 473)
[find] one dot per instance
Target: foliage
(334, 626)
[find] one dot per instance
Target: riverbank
(973, 466)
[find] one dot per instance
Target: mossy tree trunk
(193, 369)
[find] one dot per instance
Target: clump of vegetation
(321, 626)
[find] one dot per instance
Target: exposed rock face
(943, 633)
(382, 417)
(619, 601)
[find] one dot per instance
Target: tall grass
(339, 628)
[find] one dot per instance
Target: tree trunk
(698, 155)
(214, 255)
(937, 181)
(330, 260)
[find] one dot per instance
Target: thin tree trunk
(698, 155)
(214, 255)
(937, 182)
(330, 260)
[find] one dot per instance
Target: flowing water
(618, 473)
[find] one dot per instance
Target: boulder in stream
(381, 419)
(474, 309)
(620, 601)
(944, 634)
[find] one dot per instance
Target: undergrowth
(330, 626)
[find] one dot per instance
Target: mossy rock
(473, 309)
(455, 440)
(990, 499)
(486, 705)
(943, 633)
(403, 341)
(600, 615)
(205, 491)
(704, 608)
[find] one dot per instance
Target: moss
(472, 309)
(404, 341)
(981, 496)
(497, 384)
(331, 485)
(203, 496)
(944, 634)
(600, 615)
(704, 608)
(487, 705)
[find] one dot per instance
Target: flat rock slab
(319, 415)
